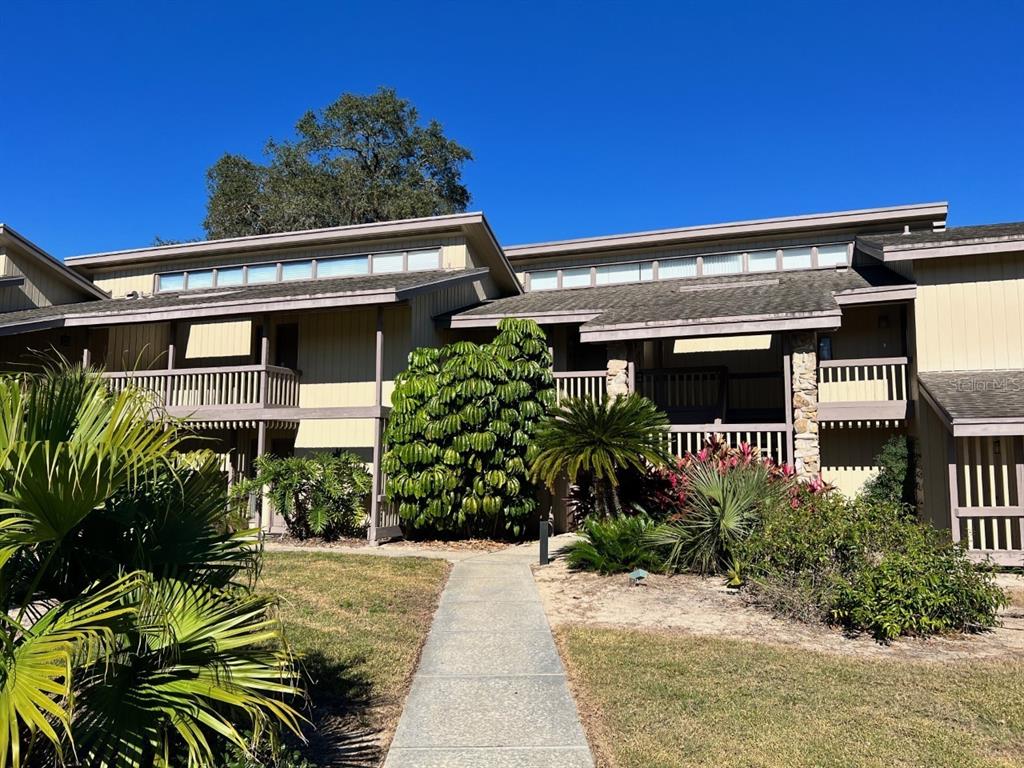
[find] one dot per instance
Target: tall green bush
(896, 469)
(460, 434)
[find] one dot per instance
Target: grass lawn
(357, 623)
(653, 699)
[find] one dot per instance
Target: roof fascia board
(876, 295)
(64, 272)
(929, 212)
(948, 250)
(542, 318)
(720, 327)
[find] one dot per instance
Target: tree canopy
(360, 159)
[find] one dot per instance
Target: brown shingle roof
(977, 395)
(953, 235)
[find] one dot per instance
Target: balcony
(228, 394)
(863, 391)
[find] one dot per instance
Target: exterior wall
(848, 456)
(119, 281)
(869, 332)
(970, 313)
(806, 446)
(202, 341)
(933, 467)
(21, 351)
(137, 347)
(427, 306)
(42, 287)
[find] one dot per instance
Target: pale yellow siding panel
(455, 256)
(848, 456)
(335, 433)
(221, 339)
(42, 287)
(120, 285)
(722, 344)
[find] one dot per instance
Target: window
(677, 268)
(174, 281)
(647, 270)
(575, 278)
(761, 261)
(618, 273)
(796, 258)
(297, 270)
(202, 278)
(832, 255)
(387, 262)
(544, 281)
(229, 276)
(262, 273)
(424, 260)
(342, 267)
(724, 264)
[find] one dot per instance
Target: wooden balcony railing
(195, 389)
(771, 440)
(988, 516)
(580, 384)
(863, 390)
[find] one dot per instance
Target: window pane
(348, 265)
(172, 282)
(575, 278)
(724, 264)
(263, 273)
(229, 276)
(647, 271)
(796, 258)
(387, 262)
(543, 281)
(424, 260)
(296, 270)
(762, 261)
(618, 273)
(201, 279)
(676, 268)
(831, 255)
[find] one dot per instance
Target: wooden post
(171, 352)
(86, 358)
(954, 493)
(264, 359)
(1018, 453)
(261, 448)
(378, 423)
(787, 378)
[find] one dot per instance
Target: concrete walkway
(490, 689)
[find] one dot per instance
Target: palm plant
(722, 505)
(593, 442)
(127, 635)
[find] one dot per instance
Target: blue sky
(584, 118)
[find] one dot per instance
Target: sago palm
(594, 441)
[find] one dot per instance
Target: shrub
(460, 435)
(320, 495)
(867, 566)
(594, 443)
(614, 545)
(896, 473)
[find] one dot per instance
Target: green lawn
(672, 700)
(357, 624)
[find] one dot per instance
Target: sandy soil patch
(700, 606)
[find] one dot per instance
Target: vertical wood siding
(848, 456)
(42, 287)
(137, 347)
(218, 339)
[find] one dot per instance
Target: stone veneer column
(806, 447)
(617, 374)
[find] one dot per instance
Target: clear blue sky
(584, 118)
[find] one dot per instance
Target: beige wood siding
(137, 347)
(42, 286)
(221, 339)
(335, 433)
(869, 332)
(848, 456)
(427, 306)
(970, 313)
(933, 466)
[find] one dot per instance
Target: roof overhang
(994, 426)
(940, 250)
(876, 295)
(9, 237)
(123, 313)
(542, 318)
(717, 326)
(930, 215)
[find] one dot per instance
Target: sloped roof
(978, 396)
(956, 241)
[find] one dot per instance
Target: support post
(86, 358)
(261, 449)
(542, 541)
(954, 491)
(378, 422)
(264, 359)
(1018, 454)
(787, 376)
(171, 352)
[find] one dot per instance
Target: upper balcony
(863, 390)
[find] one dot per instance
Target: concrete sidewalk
(490, 689)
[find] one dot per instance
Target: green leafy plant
(593, 443)
(895, 479)
(460, 435)
(867, 566)
(613, 545)
(320, 495)
(127, 632)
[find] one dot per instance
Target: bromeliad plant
(128, 632)
(461, 432)
(594, 443)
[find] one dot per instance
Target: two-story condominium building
(814, 338)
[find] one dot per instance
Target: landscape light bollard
(543, 541)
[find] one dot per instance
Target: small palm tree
(584, 439)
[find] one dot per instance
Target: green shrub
(460, 434)
(867, 566)
(613, 545)
(320, 495)
(896, 473)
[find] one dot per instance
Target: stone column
(617, 375)
(806, 449)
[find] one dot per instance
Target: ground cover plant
(651, 700)
(460, 435)
(130, 634)
(613, 545)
